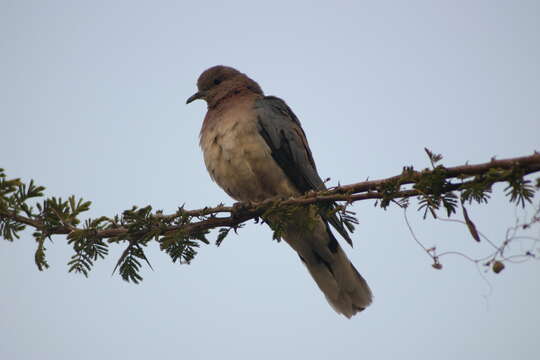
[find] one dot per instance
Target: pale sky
(92, 103)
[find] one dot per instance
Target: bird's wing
(282, 131)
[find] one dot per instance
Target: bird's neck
(225, 99)
(226, 108)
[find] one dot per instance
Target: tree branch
(181, 232)
(364, 190)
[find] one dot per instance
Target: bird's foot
(240, 208)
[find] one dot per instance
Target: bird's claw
(239, 208)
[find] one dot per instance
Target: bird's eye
(217, 81)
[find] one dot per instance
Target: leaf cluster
(180, 234)
(54, 216)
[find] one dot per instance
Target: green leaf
(39, 256)
(433, 158)
(223, 232)
(520, 190)
(449, 201)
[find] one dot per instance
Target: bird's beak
(196, 96)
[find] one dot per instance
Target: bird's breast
(239, 160)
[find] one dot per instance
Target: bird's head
(220, 81)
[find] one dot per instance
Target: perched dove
(254, 148)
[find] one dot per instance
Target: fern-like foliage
(181, 234)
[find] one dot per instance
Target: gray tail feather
(343, 286)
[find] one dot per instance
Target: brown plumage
(255, 148)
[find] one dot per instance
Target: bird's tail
(343, 286)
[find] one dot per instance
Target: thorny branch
(499, 253)
(181, 232)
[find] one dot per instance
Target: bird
(255, 149)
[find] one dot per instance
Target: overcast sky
(92, 103)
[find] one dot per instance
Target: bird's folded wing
(282, 131)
